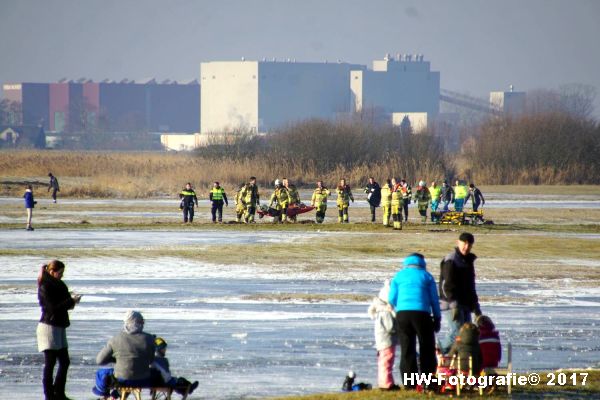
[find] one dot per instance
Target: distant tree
(573, 99)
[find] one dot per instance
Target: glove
(437, 324)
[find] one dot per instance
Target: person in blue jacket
(29, 204)
(413, 294)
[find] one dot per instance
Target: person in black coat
(373, 191)
(55, 301)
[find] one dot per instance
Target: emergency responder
(436, 194)
(396, 204)
(188, 199)
(293, 195)
(373, 191)
(422, 198)
(217, 196)
(406, 197)
(280, 199)
(460, 195)
(239, 204)
(319, 201)
(476, 197)
(386, 201)
(344, 196)
(251, 199)
(447, 195)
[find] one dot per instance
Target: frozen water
(240, 348)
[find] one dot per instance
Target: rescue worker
(53, 184)
(188, 199)
(422, 198)
(239, 204)
(396, 203)
(373, 191)
(386, 201)
(344, 195)
(319, 201)
(406, 197)
(476, 197)
(251, 199)
(293, 194)
(460, 195)
(447, 195)
(217, 196)
(436, 194)
(280, 199)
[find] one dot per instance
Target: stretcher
(292, 210)
(459, 217)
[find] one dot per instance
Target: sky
(478, 46)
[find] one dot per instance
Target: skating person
(422, 198)
(29, 204)
(293, 194)
(489, 342)
(414, 297)
(251, 199)
(373, 191)
(55, 301)
(460, 195)
(447, 195)
(476, 197)
(217, 196)
(239, 204)
(386, 332)
(436, 194)
(458, 295)
(161, 364)
(280, 199)
(396, 204)
(386, 201)
(344, 196)
(53, 184)
(319, 201)
(466, 345)
(406, 197)
(188, 199)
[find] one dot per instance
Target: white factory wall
(512, 103)
(229, 96)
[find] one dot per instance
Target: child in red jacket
(489, 342)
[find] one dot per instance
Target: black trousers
(217, 208)
(188, 213)
(54, 194)
(372, 213)
(55, 387)
(413, 325)
(405, 203)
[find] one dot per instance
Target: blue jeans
(453, 326)
(459, 204)
(446, 204)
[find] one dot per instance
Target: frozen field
(224, 331)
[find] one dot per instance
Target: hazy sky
(477, 45)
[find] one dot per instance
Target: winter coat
(447, 193)
(386, 195)
(373, 192)
(161, 364)
(188, 198)
(490, 346)
(476, 196)
(29, 201)
(344, 195)
(385, 324)
(280, 198)
(55, 301)
(250, 195)
(132, 354)
(293, 194)
(422, 196)
(457, 281)
(53, 184)
(319, 197)
(465, 346)
(413, 289)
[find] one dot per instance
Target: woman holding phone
(55, 301)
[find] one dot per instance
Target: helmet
(422, 183)
(160, 343)
(277, 182)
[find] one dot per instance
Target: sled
(292, 210)
(156, 393)
(459, 217)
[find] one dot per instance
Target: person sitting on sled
(465, 347)
(161, 365)
(489, 342)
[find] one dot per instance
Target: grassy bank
(590, 390)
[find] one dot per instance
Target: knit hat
(133, 322)
(385, 290)
(415, 259)
(160, 343)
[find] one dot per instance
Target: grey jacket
(385, 324)
(131, 353)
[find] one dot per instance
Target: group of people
(140, 358)
(411, 307)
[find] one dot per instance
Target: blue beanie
(415, 259)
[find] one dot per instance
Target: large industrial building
(109, 106)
